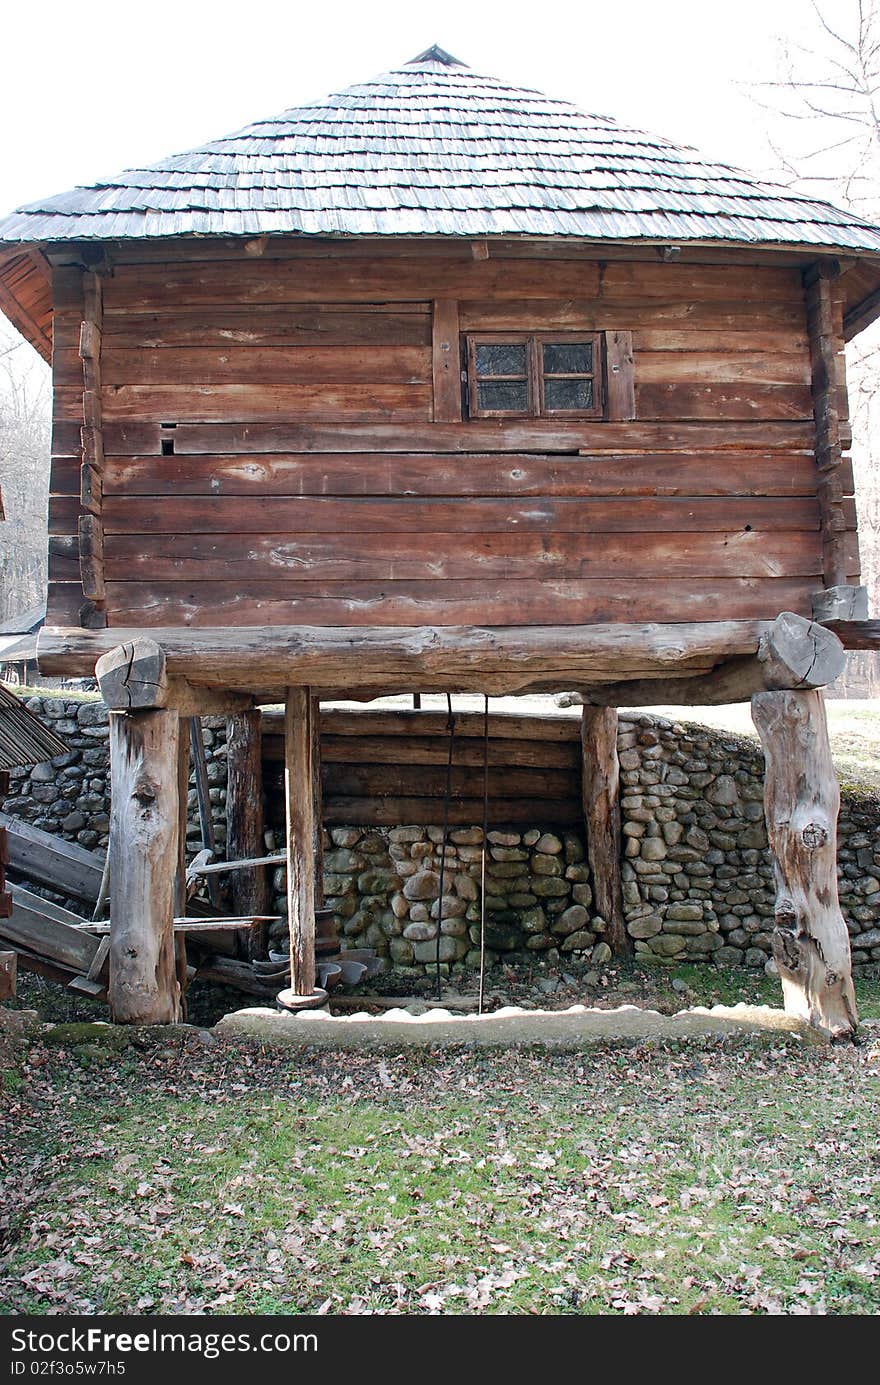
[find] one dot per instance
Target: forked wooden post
(801, 802)
(298, 783)
(144, 835)
(244, 821)
(601, 797)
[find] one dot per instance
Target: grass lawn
(208, 1177)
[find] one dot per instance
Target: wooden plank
(350, 281)
(487, 474)
(423, 557)
(51, 861)
(406, 749)
(293, 365)
(322, 325)
(206, 403)
(144, 827)
(48, 930)
(429, 781)
(390, 812)
(632, 313)
(405, 723)
(722, 367)
(477, 435)
(477, 515)
(446, 361)
(299, 802)
(620, 399)
(722, 401)
(558, 602)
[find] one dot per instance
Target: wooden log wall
(282, 444)
(384, 768)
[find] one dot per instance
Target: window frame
(535, 374)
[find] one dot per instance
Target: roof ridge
(435, 54)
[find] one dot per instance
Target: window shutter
(620, 392)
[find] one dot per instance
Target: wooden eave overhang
(26, 295)
(26, 283)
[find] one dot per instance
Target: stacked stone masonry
(697, 876)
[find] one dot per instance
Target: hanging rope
(450, 726)
(485, 849)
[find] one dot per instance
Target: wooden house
(439, 384)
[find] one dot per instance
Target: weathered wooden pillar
(180, 889)
(144, 836)
(299, 795)
(601, 798)
(801, 802)
(318, 803)
(244, 821)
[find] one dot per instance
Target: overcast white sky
(88, 90)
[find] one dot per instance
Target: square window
(535, 375)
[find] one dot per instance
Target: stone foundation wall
(70, 795)
(697, 877)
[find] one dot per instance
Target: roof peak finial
(436, 54)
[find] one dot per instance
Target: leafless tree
(24, 474)
(827, 145)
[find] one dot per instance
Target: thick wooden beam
(244, 821)
(299, 796)
(144, 832)
(793, 653)
(801, 801)
(858, 634)
(601, 798)
(503, 659)
(134, 676)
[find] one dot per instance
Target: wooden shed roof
(434, 148)
(24, 740)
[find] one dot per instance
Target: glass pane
(507, 358)
(568, 358)
(510, 395)
(568, 394)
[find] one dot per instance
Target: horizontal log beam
(857, 634)
(134, 676)
(496, 660)
(793, 654)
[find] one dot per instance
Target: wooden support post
(203, 794)
(801, 802)
(244, 822)
(318, 803)
(8, 974)
(299, 795)
(601, 798)
(180, 874)
(144, 831)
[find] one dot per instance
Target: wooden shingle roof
(433, 148)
